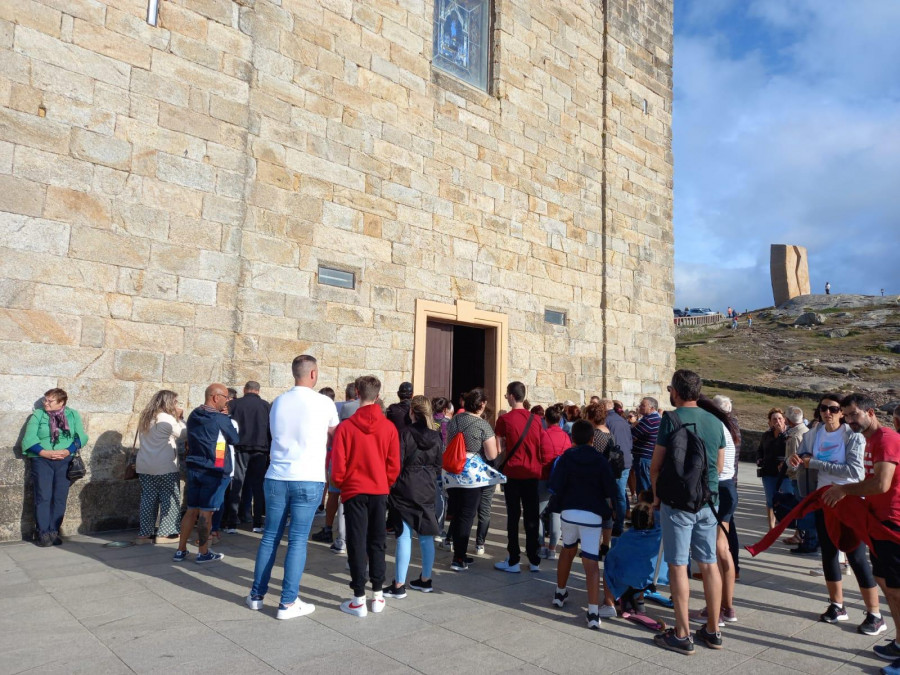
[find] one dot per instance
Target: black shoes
(44, 540)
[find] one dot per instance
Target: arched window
(462, 39)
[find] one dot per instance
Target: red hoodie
(365, 454)
(554, 442)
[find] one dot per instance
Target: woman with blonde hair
(411, 501)
(160, 427)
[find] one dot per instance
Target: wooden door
(438, 359)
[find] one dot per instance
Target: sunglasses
(833, 409)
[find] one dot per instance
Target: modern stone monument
(790, 272)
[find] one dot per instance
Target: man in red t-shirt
(881, 488)
(523, 471)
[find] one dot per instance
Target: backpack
(616, 459)
(455, 455)
(683, 478)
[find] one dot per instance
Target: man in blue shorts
(209, 432)
(689, 535)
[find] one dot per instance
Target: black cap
(405, 390)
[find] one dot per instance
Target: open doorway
(454, 359)
(458, 348)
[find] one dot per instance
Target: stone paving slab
(133, 610)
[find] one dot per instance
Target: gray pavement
(82, 607)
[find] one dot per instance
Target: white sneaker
(535, 568)
(479, 550)
(355, 608)
(607, 612)
(253, 604)
(504, 566)
(295, 609)
(230, 530)
(258, 530)
(378, 605)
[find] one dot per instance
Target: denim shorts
(688, 535)
(206, 489)
(728, 499)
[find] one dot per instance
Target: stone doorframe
(464, 312)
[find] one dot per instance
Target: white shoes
(378, 605)
(253, 604)
(504, 566)
(294, 610)
(607, 612)
(356, 608)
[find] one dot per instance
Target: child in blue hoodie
(583, 490)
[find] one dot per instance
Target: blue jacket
(582, 479)
(205, 449)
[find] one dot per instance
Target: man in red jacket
(881, 488)
(519, 434)
(365, 462)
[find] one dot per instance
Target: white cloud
(799, 144)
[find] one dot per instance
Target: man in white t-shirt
(302, 422)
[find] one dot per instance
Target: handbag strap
(520, 441)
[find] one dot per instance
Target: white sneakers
(504, 566)
(253, 603)
(607, 612)
(357, 606)
(295, 609)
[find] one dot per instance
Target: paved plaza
(84, 607)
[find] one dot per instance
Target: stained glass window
(462, 39)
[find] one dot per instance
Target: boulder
(810, 319)
(889, 406)
(837, 332)
(892, 346)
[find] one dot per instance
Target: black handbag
(76, 469)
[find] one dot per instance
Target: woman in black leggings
(464, 489)
(836, 452)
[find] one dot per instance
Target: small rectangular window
(332, 277)
(462, 39)
(554, 317)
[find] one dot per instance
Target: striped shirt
(644, 434)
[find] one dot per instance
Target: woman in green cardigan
(52, 435)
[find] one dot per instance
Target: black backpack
(616, 459)
(683, 481)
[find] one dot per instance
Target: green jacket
(37, 434)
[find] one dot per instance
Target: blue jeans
(404, 554)
(769, 483)
(806, 525)
(641, 468)
(621, 502)
(299, 500)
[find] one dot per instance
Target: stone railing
(706, 320)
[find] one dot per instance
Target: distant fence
(705, 320)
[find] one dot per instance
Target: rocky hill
(793, 353)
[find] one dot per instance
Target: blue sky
(786, 131)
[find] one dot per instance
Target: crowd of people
(623, 488)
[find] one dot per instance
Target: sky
(786, 130)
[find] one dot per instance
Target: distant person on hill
(749, 322)
(827, 288)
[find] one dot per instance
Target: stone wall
(167, 194)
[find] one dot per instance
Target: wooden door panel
(438, 359)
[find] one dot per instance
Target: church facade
(451, 192)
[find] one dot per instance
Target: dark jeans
(51, 490)
(522, 500)
(462, 507)
(484, 515)
(249, 475)
(831, 565)
(365, 517)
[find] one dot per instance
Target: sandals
(793, 540)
